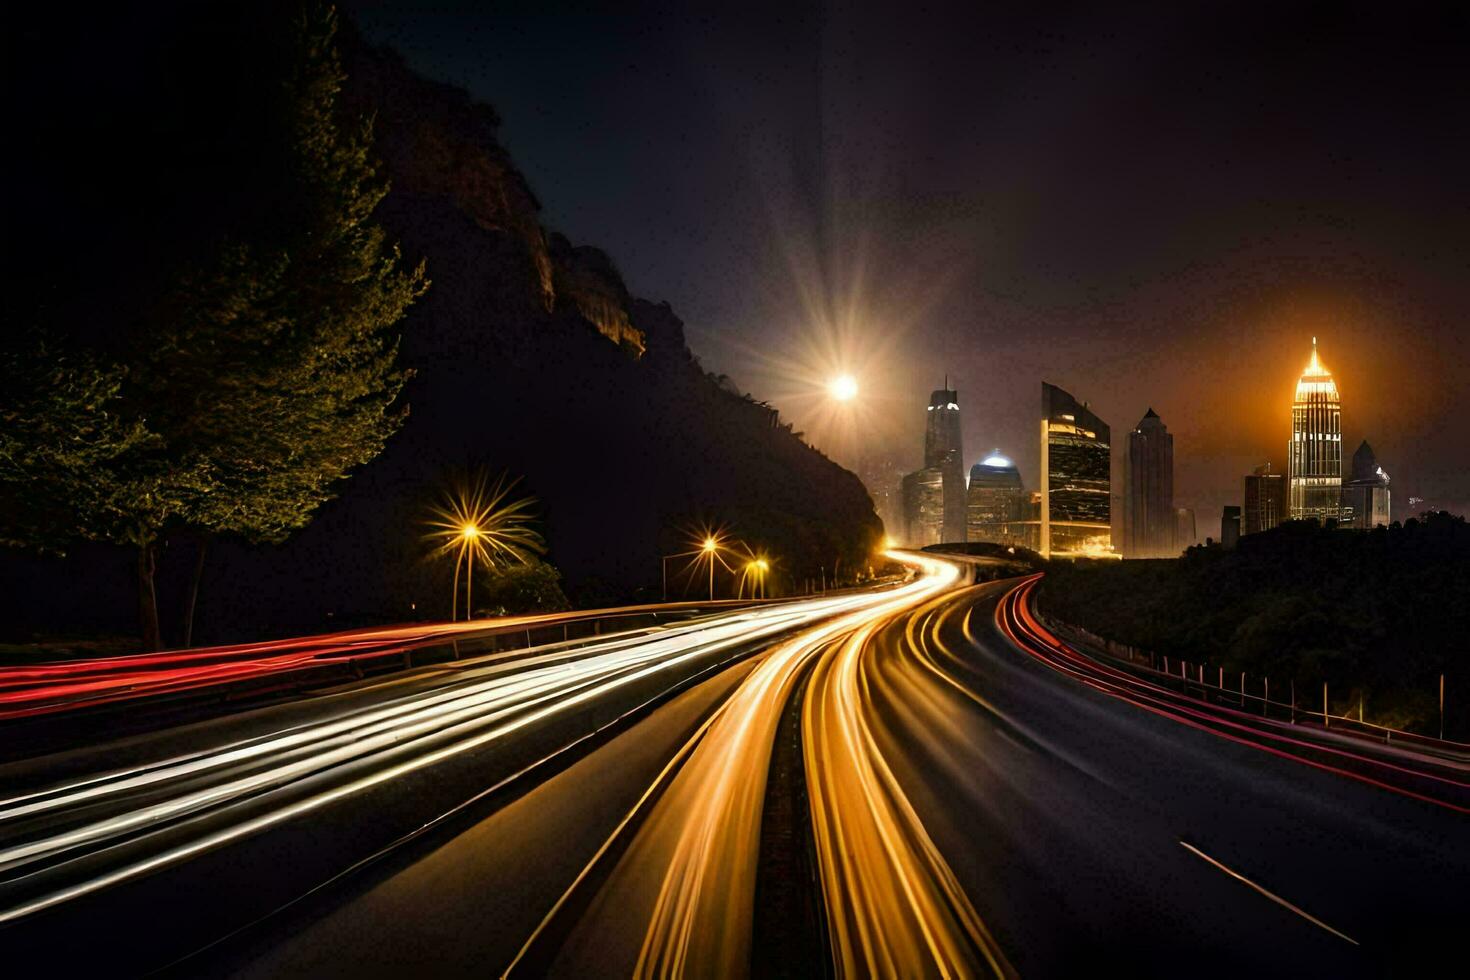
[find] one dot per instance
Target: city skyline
(1311, 378)
(1138, 286)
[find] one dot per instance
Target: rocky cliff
(530, 357)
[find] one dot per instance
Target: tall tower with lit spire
(1314, 456)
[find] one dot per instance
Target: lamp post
(710, 546)
(469, 534)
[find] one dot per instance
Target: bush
(1382, 612)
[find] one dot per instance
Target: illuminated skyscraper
(944, 450)
(1265, 500)
(1314, 456)
(1076, 477)
(995, 502)
(1365, 497)
(1148, 491)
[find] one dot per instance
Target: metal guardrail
(1191, 676)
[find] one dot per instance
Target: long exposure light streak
(52, 688)
(1413, 775)
(98, 830)
(692, 863)
(894, 906)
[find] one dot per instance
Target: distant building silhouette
(923, 507)
(1314, 455)
(1185, 535)
(995, 503)
(1076, 477)
(1265, 500)
(1148, 491)
(1229, 526)
(944, 449)
(884, 483)
(1365, 497)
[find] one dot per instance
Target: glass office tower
(1076, 477)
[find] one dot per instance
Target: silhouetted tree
(277, 373)
(261, 378)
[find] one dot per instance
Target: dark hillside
(530, 357)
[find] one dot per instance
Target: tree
(262, 376)
(518, 588)
(60, 422)
(278, 374)
(73, 465)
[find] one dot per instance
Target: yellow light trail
(690, 871)
(894, 906)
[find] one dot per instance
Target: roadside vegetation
(262, 372)
(1377, 615)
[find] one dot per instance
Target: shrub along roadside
(1377, 615)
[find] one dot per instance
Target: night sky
(1150, 208)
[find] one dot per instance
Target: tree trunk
(194, 591)
(147, 599)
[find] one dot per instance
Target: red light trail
(1014, 618)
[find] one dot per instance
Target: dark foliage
(528, 355)
(1378, 613)
(519, 588)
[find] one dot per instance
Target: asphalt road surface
(918, 781)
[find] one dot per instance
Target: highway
(918, 781)
(100, 831)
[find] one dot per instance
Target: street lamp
(469, 534)
(710, 547)
(843, 388)
(755, 571)
(707, 549)
(481, 522)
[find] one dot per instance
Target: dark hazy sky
(1151, 206)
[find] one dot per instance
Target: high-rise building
(1148, 491)
(1365, 496)
(1314, 455)
(923, 507)
(1031, 526)
(995, 502)
(1185, 533)
(883, 480)
(944, 449)
(1265, 500)
(1076, 477)
(1229, 526)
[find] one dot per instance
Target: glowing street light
(480, 523)
(470, 533)
(711, 546)
(755, 572)
(707, 550)
(843, 388)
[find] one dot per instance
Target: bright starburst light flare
(479, 523)
(844, 387)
